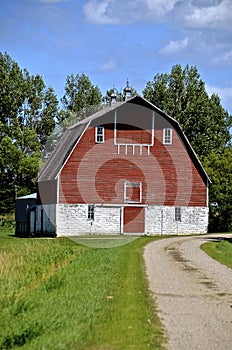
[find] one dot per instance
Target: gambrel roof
(72, 135)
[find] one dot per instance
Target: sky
(113, 40)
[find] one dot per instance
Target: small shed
(25, 215)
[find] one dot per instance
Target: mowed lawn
(220, 250)
(59, 294)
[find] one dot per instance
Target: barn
(127, 169)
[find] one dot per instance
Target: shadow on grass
(219, 239)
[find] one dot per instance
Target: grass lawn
(220, 251)
(59, 294)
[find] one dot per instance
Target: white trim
(121, 205)
(115, 128)
(70, 153)
(101, 135)
(153, 128)
(58, 189)
(133, 144)
(166, 130)
(134, 184)
(121, 220)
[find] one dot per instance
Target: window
(177, 214)
(167, 136)
(132, 192)
(91, 212)
(99, 134)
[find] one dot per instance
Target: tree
(219, 169)
(81, 96)
(27, 116)
(182, 95)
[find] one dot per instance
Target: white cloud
(224, 93)
(96, 12)
(174, 46)
(193, 13)
(161, 6)
(108, 66)
(212, 16)
(226, 58)
(123, 12)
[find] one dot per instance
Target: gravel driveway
(193, 293)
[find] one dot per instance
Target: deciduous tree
(183, 96)
(81, 96)
(219, 168)
(27, 116)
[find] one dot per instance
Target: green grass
(220, 251)
(57, 294)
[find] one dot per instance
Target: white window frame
(177, 214)
(167, 136)
(99, 134)
(90, 212)
(128, 184)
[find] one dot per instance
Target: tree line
(30, 111)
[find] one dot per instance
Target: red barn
(128, 168)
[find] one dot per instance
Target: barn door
(134, 218)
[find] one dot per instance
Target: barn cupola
(113, 98)
(127, 91)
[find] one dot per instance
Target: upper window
(133, 192)
(99, 134)
(167, 136)
(177, 214)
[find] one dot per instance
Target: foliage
(29, 113)
(80, 95)
(220, 251)
(66, 296)
(183, 96)
(7, 222)
(219, 169)
(27, 117)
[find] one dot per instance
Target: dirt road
(193, 293)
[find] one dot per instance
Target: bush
(7, 222)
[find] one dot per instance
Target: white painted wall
(161, 220)
(72, 220)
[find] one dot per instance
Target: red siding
(95, 173)
(199, 190)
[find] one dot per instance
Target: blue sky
(112, 40)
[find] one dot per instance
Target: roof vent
(127, 91)
(113, 97)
